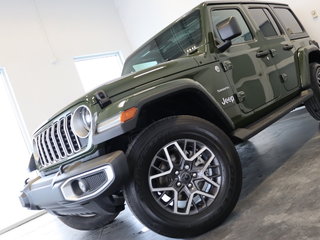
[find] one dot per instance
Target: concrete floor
(279, 200)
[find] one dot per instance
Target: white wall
(10, 141)
(39, 39)
(144, 18)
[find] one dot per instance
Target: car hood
(134, 80)
(137, 79)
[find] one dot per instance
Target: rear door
(280, 46)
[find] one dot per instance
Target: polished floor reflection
(279, 200)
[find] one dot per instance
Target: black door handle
(287, 47)
(262, 54)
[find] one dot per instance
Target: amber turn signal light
(128, 114)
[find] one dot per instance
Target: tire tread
(313, 104)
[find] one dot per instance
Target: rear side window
(265, 22)
(221, 15)
(289, 20)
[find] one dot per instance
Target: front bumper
(60, 194)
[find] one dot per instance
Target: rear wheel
(88, 222)
(186, 176)
(313, 104)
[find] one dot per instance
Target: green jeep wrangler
(161, 138)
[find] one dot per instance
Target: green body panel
(240, 87)
(139, 99)
(154, 74)
(304, 67)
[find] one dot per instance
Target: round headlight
(36, 154)
(81, 121)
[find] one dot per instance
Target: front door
(247, 63)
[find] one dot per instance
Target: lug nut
(189, 185)
(186, 167)
(176, 173)
(194, 175)
(178, 184)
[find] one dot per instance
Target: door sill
(256, 127)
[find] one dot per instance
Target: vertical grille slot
(47, 146)
(58, 137)
(42, 159)
(45, 151)
(74, 139)
(54, 143)
(64, 136)
(57, 142)
(51, 144)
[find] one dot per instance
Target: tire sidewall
(314, 68)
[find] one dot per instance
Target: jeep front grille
(57, 142)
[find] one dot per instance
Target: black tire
(88, 223)
(313, 104)
(155, 215)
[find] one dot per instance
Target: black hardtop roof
(242, 2)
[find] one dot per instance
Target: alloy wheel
(185, 177)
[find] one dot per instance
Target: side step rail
(248, 132)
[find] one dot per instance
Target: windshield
(171, 44)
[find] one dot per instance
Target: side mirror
(228, 29)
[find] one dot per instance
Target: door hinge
(273, 52)
(102, 98)
(227, 65)
(284, 77)
(240, 96)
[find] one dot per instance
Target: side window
(289, 20)
(220, 15)
(265, 22)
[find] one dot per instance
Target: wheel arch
(182, 97)
(187, 101)
(314, 56)
(176, 97)
(306, 56)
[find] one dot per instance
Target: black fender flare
(145, 96)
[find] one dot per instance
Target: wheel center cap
(185, 177)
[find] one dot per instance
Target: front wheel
(186, 177)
